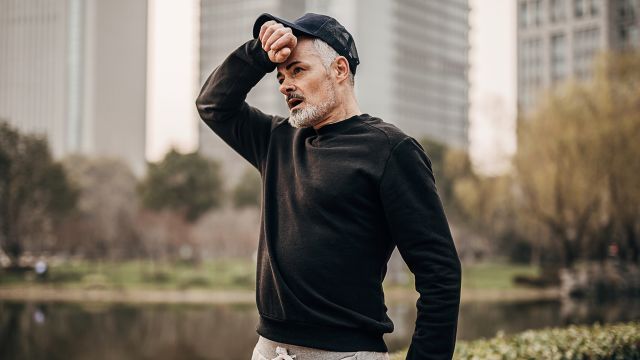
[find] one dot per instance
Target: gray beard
(310, 115)
(307, 116)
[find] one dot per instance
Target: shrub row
(611, 341)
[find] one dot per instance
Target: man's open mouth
(293, 102)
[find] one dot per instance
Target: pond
(114, 331)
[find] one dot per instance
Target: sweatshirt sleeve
(222, 106)
(419, 228)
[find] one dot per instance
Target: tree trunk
(12, 245)
(631, 238)
(568, 253)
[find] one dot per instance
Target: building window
(578, 8)
(623, 33)
(594, 7)
(523, 14)
(529, 70)
(586, 44)
(634, 35)
(557, 10)
(558, 57)
(537, 12)
(625, 9)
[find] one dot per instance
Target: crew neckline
(339, 125)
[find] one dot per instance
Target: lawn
(494, 275)
(217, 274)
(144, 274)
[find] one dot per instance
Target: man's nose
(287, 87)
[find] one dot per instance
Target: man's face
(307, 86)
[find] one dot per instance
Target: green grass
(494, 275)
(218, 274)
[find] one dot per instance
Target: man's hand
(277, 40)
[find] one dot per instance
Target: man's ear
(341, 68)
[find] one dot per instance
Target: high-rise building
(75, 70)
(413, 70)
(415, 62)
(559, 39)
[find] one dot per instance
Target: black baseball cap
(322, 27)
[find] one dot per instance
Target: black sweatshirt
(336, 201)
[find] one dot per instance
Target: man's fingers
(277, 34)
(269, 30)
(287, 40)
(264, 27)
(279, 56)
(282, 55)
(268, 33)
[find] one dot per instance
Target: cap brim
(297, 30)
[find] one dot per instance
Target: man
(341, 190)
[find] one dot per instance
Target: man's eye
(297, 70)
(280, 81)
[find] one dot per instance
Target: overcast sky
(173, 81)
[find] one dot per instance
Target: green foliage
(186, 183)
(465, 195)
(482, 205)
(436, 151)
(443, 161)
(34, 190)
(574, 192)
(617, 341)
(596, 342)
(248, 191)
(577, 164)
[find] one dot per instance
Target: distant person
(341, 189)
(41, 269)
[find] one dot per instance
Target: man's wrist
(260, 56)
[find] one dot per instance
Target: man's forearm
(222, 105)
(438, 307)
(224, 92)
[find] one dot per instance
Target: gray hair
(328, 55)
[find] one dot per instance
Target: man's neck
(340, 113)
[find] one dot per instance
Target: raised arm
(420, 230)
(221, 103)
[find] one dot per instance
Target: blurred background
(130, 230)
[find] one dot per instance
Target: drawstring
(282, 354)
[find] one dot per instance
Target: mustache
(294, 96)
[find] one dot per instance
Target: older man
(341, 189)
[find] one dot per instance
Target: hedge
(611, 341)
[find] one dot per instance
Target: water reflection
(81, 331)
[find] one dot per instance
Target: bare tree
(577, 162)
(103, 224)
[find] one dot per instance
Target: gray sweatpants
(271, 350)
